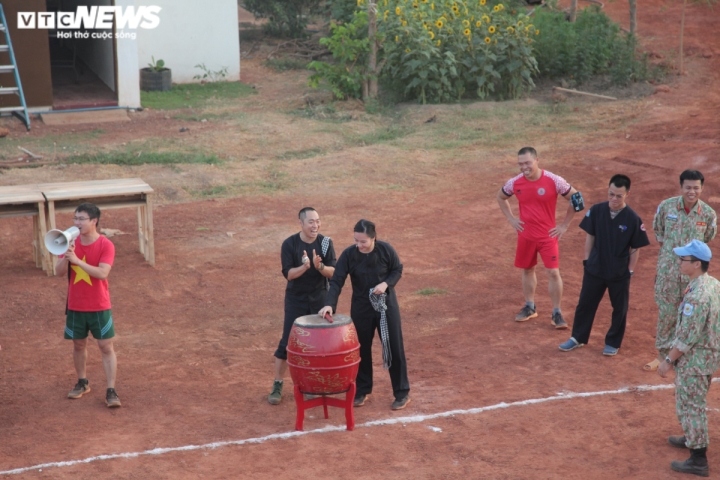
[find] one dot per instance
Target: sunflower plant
(435, 50)
(441, 50)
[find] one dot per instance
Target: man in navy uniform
(614, 235)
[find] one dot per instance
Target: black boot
(677, 441)
(697, 463)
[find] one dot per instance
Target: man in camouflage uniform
(695, 354)
(677, 221)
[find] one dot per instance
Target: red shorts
(527, 251)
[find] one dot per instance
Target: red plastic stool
(324, 400)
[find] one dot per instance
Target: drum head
(316, 321)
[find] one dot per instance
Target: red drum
(323, 357)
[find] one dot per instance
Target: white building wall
(128, 66)
(191, 33)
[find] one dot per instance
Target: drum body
(323, 357)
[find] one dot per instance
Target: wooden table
(125, 192)
(28, 200)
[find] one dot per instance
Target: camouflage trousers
(668, 296)
(690, 402)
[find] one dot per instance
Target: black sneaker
(359, 400)
(525, 314)
(81, 388)
(111, 398)
(558, 321)
(402, 403)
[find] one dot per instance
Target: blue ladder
(20, 111)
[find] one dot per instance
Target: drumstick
(328, 317)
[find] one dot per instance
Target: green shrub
(349, 45)
(286, 17)
(593, 45)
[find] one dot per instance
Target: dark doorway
(83, 69)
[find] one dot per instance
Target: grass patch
(323, 112)
(426, 292)
(141, 158)
(214, 191)
(286, 63)
(301, 154)
(482, 126)
(49, 145)
(275, 181)
(383, 135)
(194, 95)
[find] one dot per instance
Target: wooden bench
(125, 192)
(28, 200)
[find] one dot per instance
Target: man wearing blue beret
(695, 355)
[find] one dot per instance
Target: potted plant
(155, 77)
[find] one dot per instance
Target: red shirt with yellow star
(86, 293)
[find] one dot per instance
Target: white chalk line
(373, 423)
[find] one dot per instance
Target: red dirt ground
(197, 332)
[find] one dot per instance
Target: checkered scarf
(378, 303)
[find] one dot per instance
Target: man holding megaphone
(87, 261)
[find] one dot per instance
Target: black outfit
(607, 269)
(306, 294)
(366, 271)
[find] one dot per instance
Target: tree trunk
(682, 34)
(633, 16)
(573, 10)
(372, 91)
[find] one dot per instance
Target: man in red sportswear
(537, 191)
(89, 260)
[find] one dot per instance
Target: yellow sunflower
(466, 23)
(415, 5)
(455, 9)
(407, 50)
(478, 24)
(398, 11)
(432, 6)
(438, 43)
(487, 40)
(360, 2)
(432, 35)
(485, 19)
(466, 32)
(483, 2)
(520, 24)
(439, 23)
(491, 29)
(397, 39)
(500, 6)
(510, 29)
(537, 32)
(496, 9)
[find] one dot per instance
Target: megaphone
(57, 242)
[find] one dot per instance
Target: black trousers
(366, 321)
(593, 290)
(297, 306)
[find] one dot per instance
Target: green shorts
(78, 324)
